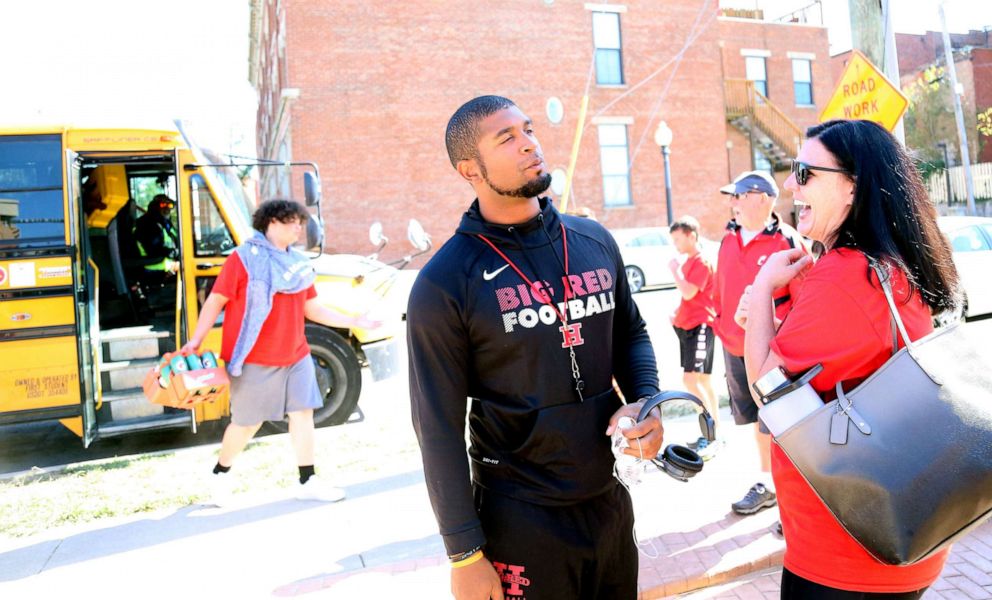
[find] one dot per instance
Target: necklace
(569, 332)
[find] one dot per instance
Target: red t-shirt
(841, 320)
(736, 267)
(700, 309)
(281, 342)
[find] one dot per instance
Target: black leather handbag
(904, 460)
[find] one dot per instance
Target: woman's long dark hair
(892, 219)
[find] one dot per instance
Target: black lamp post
(663, 137)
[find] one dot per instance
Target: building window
(606, 39)
(802, 81)
(615, 160)
(754, 68)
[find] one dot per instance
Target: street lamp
(663, 137)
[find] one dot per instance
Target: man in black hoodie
(527, 314)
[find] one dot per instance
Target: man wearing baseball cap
(754, 233)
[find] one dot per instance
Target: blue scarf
(270, 271)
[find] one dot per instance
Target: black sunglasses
(802, 171)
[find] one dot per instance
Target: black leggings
(795, 587)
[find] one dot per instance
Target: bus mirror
(315, 233)
(311, 188)
(375, 234)
(417, 236)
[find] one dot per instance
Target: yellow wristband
(467, 561)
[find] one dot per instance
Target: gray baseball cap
(752, 181)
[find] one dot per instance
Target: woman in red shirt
(861, 196)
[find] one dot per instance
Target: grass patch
(124, 486)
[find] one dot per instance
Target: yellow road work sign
(864, 93)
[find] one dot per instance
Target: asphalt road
(42, 445)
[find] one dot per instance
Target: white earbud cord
(629, 475)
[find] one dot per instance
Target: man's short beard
(527, 190)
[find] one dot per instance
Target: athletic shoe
(316, 489)
(699, 444)
(709, 449)
(220, 489)
(757, 498)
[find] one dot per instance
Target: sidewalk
(382, 542)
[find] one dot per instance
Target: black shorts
(742, 406)
(795, 587)
(580, 551)
(696, 348)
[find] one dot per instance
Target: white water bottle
(786, 401)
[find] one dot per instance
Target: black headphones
(678, 461)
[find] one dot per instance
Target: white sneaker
(317, 489)
(220, 489)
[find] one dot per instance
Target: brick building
(365, 89)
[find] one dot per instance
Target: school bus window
(31, 210)
(210, 232)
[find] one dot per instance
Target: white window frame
(607, 43)
(808, 82)
(616, 173)
(750, 59)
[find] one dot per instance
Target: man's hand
(477, 581)
(190, 347)
(673, 265)
(364, 321)
(740, 317)
(645, 437)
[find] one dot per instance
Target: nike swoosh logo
(490, 276)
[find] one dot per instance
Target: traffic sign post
(864, 93)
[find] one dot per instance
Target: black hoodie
(477, 331)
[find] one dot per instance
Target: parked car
(646, 253)
(971, 243)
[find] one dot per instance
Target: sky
(145, 62)
(130, 63)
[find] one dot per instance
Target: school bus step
(123, 374)
(129, 343)
(164, 421)
(129, 403)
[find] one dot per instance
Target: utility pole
(891, 66)
(872, 34)
(958, 113)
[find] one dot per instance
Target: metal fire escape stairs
(771, 132)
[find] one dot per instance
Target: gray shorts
(264, 393)
(742, 406)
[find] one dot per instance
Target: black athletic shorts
(696, 348)
(795, 587)
(742, 406)
(581, 551)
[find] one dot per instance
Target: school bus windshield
(234, 195)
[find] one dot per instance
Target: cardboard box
(187, 388)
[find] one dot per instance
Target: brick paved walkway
(967, 576)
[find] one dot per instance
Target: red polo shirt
(736, 267)
(282, 341)
(700, 308)
(841, 320)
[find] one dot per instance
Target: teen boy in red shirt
(695, 279)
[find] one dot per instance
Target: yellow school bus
(81, 321)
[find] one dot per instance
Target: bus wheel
(339, 377)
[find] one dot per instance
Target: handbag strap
(883, 278)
